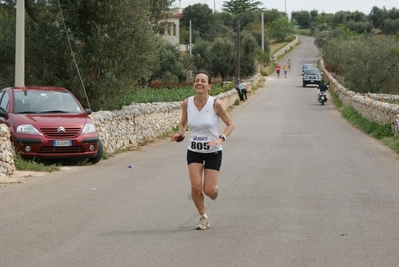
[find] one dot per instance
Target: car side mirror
(88, 111)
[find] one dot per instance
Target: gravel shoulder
(18, 176)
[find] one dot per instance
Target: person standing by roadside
(201, 113)
(243, 89)
(289, 64)
(237, 86)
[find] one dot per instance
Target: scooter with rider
(322, 92)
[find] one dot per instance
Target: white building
(172, 29)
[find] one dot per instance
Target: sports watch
(223, 137)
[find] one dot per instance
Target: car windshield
(307, 66)
(312, 72)
(45, 102)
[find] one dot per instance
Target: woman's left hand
(215, 142)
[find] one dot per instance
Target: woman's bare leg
(195, 172)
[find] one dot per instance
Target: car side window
(4, 100)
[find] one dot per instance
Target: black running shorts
(211, 161)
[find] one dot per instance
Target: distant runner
(278, 70)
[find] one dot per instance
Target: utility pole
(190, 39)
(20, 44)
(263, 32)
(285, 10)
(238, 51)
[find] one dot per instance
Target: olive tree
(302, 18)
(7, 47)
(170, 69)
(221, 56)
(280, 28)
(390, 26)
(249, 53)
(367, 64)
(200, 54)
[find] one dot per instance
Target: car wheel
(99, 155)
(303, 84)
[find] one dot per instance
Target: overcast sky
(328, 6)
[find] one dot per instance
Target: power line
(73, 54)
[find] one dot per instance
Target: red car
(49, 122)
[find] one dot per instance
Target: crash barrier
(7, 166)
(371, 106)
(130, 126)
(285, 49)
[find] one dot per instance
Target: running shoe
(203, 224)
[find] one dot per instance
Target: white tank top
(203, 126)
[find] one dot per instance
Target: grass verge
(380, 132)
(33, 165)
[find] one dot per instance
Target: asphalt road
(299, 186)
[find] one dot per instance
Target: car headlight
(27, 129)
(89, 128)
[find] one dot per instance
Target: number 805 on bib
(199, 146)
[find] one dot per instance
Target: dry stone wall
(7, 166)
(138, 123)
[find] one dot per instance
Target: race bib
(200, 143)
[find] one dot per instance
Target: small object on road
(130, 166)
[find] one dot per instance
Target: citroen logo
(61, 129)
